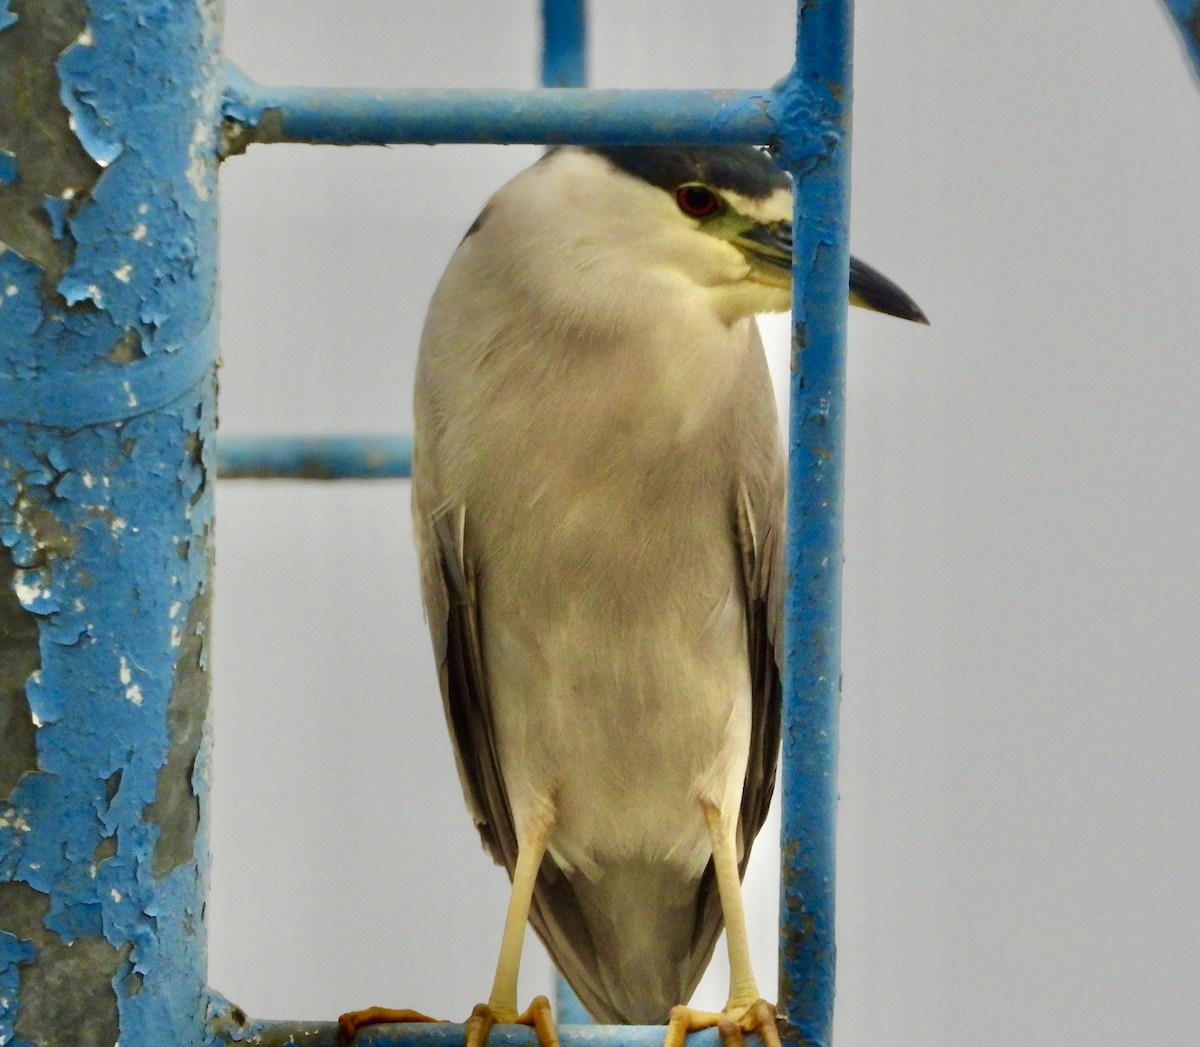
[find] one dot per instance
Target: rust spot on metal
(176, 808)
(20, 656)
(236, 136)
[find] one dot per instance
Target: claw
(538, 1015)
(732, 1024)
(541, 1017)
(478, 1025)
(350, 1022)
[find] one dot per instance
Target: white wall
(1019, 848)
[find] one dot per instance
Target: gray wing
(448, 586)
(760, 541)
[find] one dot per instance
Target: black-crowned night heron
(598, 492)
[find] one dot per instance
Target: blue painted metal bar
(564, 43)
(1186, 15)
(334, 116)
(445, 1034)
(108, 226)
(314, 457)
(815, 148)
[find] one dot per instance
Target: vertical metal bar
(108, 225)
(1186, 14)
(564, 43)
(814, 111)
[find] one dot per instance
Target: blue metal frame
(337, 116)
(1186, 15)
(106, 408)
(564, 43)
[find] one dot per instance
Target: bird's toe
(759, 1017)
(733, 1023)
(350, 1022)
(537, 1015)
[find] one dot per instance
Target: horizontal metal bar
(337, 116)
(443, 1034)
(314, 457)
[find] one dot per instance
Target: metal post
(814, 144)
(1186, 15)
(564, 43)
(108, 145)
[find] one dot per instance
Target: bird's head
(722, 216)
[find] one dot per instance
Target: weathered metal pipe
(314, 457)
(564, 43)
(814, 144)
(336, 116)
(108, 223)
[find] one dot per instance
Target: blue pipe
(814, 146)
(108, 355)
(336, 116)
(564, 43)
(314, 457)
(446, 1034)
(1186, 15)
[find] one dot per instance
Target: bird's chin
(772, 289)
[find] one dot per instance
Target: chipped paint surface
(107, 392)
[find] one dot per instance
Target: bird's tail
(634, 941)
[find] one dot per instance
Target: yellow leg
(743, 989)
(502, 1004)
(746, 1011)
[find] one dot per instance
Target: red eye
(698, 201)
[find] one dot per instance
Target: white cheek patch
(775, 208)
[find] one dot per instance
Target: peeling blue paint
(56, 210)
(13, 954)
(107, 408)
(113, 614)
(809, 119)
(241, 97)
(164, 204)
(8, 162)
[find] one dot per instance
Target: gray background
(1018, 850)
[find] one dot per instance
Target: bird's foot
(537, 1014)
(350, 1022)
(732, 1023)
